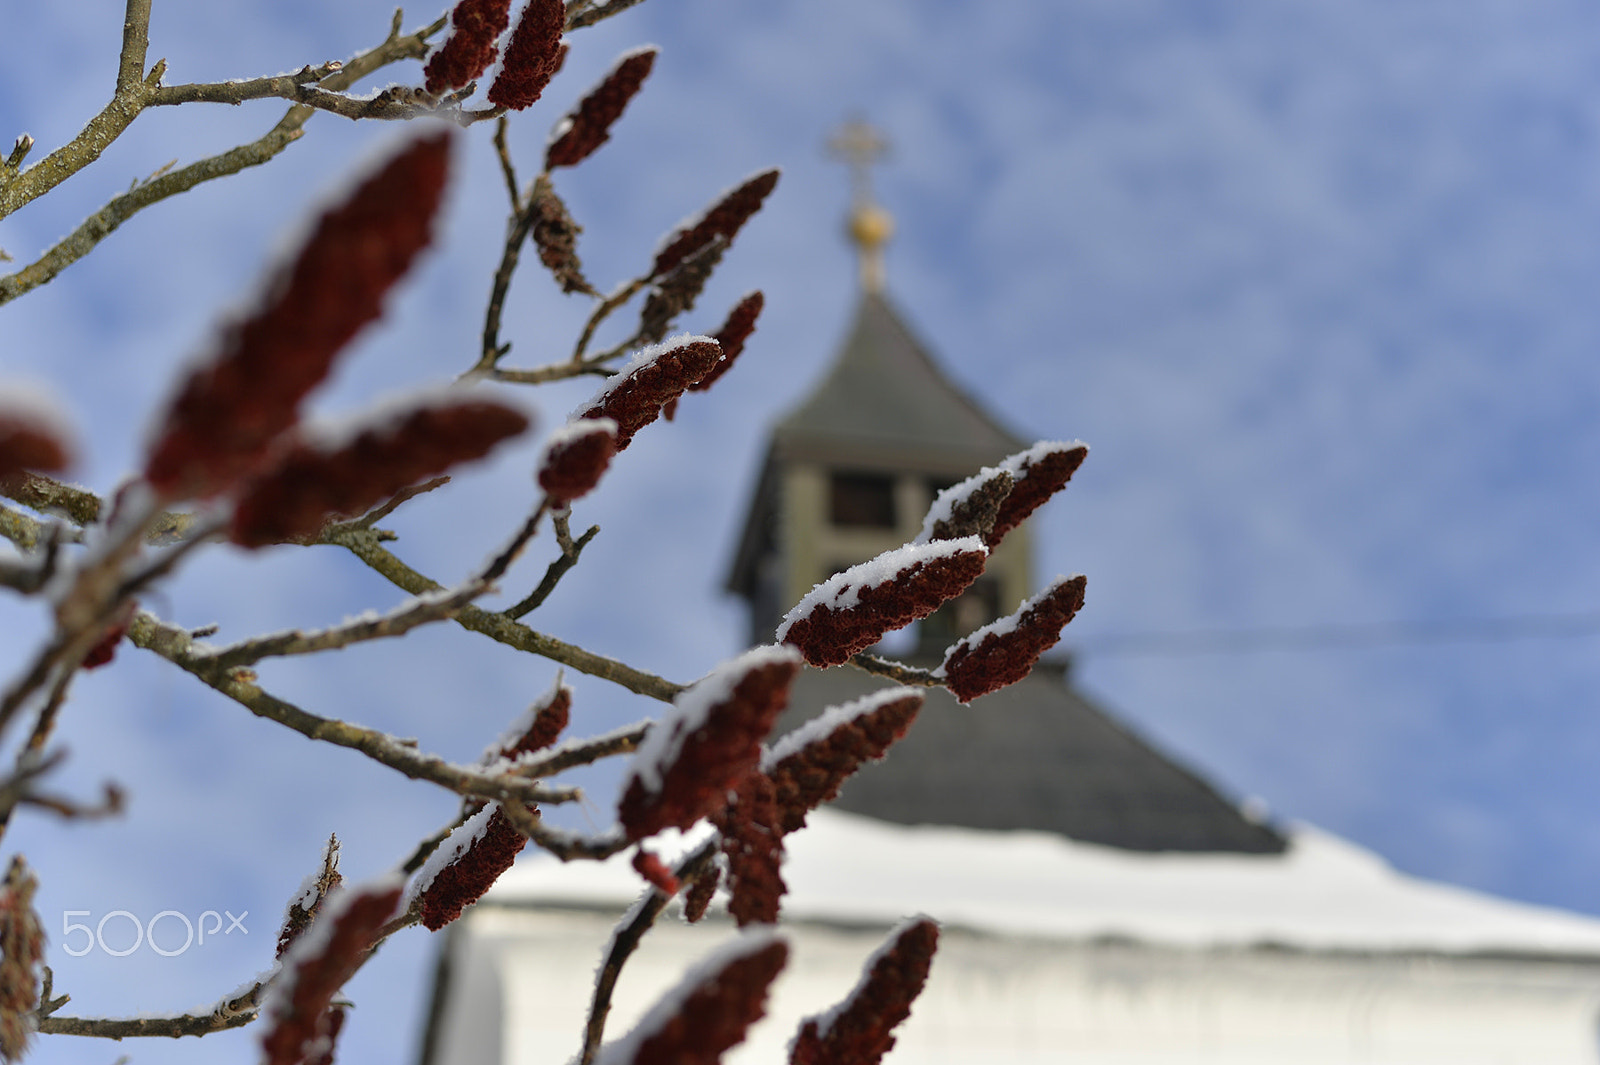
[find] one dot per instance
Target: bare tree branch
(419, 611)
(625, 940)
(583, 752)
(16, 190)
(571, 550)
(587, 13)
(176, 645)
(623, 293)
(230, 1013)
(135, 44)
(899, 671)
(364, 545)
(400, 498)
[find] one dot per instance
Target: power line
(1336, 636)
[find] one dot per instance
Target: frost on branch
(299, 1022)
(33, 436)
(656, 375)
(577, 136)
(315, 890)
(230, 410)
(1039, 472)
(753, 845)
(575, 457)
(21, 951)
(706, 743)
(723, 219)
(851, 611)
(310, 483)
(857, 1031)
(809, 765)
(466, 865)
(1004, 651)
(710, 1010)
(532, 57)
(475, 26)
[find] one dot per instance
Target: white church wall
(1014, 1001)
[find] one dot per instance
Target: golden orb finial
(870, 226)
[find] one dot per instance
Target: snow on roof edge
(1323, 894)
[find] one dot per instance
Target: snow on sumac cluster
(853, 610)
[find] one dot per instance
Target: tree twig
(625, 940)
(899, 671)
(135, 44)
(176, 645)
(623, 293)
(520, 223)
(405, 495)
(570, 551)
(419, 611)
(556, 371)
(18, 189)
(583, 752)
(364, 545)
(587, 14)
(506, 167)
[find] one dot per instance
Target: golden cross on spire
(859, 146)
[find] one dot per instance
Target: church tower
(852, 469)
(849, 473)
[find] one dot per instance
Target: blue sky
(1314, 280)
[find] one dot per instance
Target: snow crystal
(748, 942)
(1324, 893)
(1003, 627)
(690, 709)
(1015, 464)
(641, 358)
(824, 724)
(842, 590)
(339, 431)
(945, 502)
(447, 853)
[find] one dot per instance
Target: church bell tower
(851, 470)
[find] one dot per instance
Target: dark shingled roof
(884, 397)
(1036, 755)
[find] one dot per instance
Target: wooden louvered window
(861, 500)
